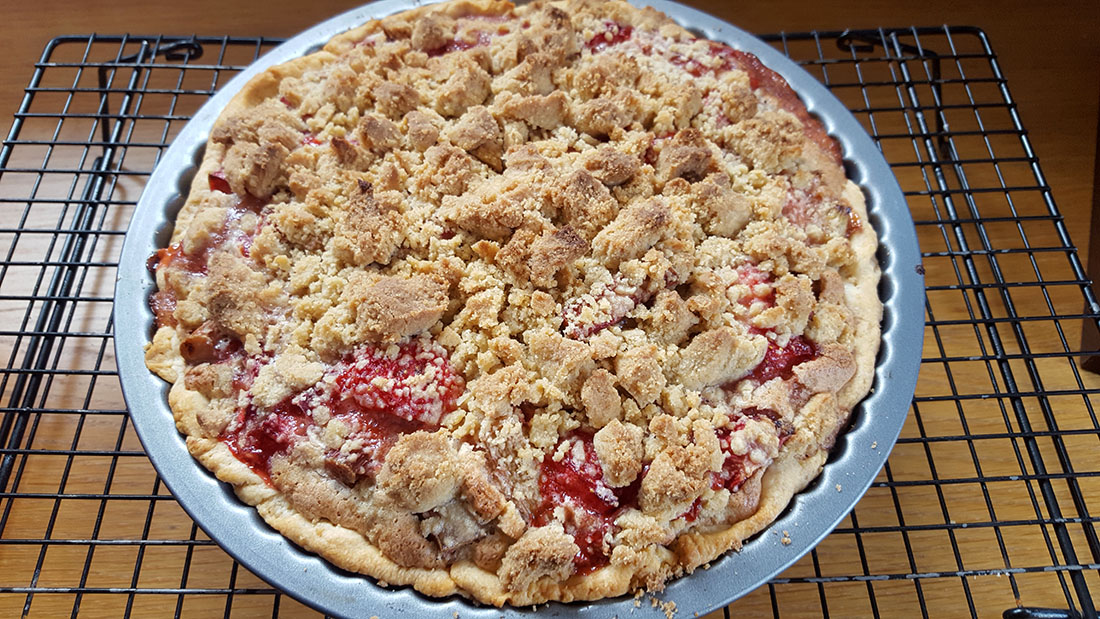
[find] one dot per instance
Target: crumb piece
(378, 134)
(585, 203)
(600, 117)
(420, 130)
(640, 373)
(448, 168)
(718, 356)
(389, 308)
(686, 156)
(769, 140)
(675, 478)
(541, 112)
(538, 259)
(370, 229)
(542, 552)
(432, 32)
(721, 210)
(235, 293)
(636, 229)
(619, 447)
(395, 100)
(420, 472)
(466, 84)
(601, 400)
(606, 73)
(612, 167)
(478, 133)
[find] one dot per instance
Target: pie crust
(550, 302)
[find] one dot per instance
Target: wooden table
(1049, 55)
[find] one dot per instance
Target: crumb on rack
(786, 538)
(839, 488)
(668, 608)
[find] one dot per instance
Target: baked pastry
(533, 303)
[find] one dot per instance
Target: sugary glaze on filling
(518, 296)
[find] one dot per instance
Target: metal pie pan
(858, 456)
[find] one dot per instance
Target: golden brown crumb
(389, 308)
(542, 552)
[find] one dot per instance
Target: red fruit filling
(416, 384)
(778, 362)
(249, 202)
(218, 183)
(693, 512)
(733, 472)
(806, 206)
(256, 437)
(163, 304)
(736, 468)
(377, 397)
(374, 433)
(613, 34)
(751, 276)
(591, 505)
(854, 223)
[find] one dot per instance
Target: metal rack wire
(986, 504)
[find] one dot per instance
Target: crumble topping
(540, 290)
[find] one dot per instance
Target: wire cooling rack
(985, 506)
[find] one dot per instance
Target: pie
(550, 302)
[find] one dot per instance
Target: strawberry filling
(375, 397)
(692, 512)
(380, 397)
(591, 506)
(255, 438)
(417, 384)
(751, 276)
(248, 202)
(374, 433)
(733, 473)
(655, 145)
(218, 183)
(779, 362)
(613, 34)
(163, 304)
(737, 468)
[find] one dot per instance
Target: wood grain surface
(1049, 54)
